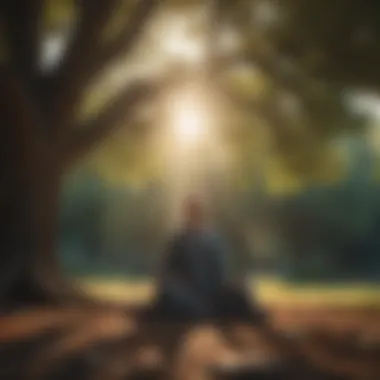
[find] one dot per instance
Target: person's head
(193, 213)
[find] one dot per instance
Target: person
(194, 282)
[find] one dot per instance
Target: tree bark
(32, 161)
(32, 275)
(29, 231)
(22, 218)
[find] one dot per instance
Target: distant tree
(335, 223)
(82, 214)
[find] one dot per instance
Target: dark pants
(232, 303)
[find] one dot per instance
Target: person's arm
(169, 264)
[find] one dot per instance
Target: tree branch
(266, 110)
(287, 77)
(93, 17)
(87, 57)
(128, 35)
(67, 83)
(265, 54)
(92, 134)
(322, 105)
(19, 117)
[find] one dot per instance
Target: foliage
(302, 102)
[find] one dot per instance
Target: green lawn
(268, 291)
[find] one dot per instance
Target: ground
(340, 339)
(269, 291)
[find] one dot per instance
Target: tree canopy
(281, 93)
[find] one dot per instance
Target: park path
(99, 344)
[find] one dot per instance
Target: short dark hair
(193, 205)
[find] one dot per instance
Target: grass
(269, 291)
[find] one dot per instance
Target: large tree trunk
(28, 255)
(34, 155)
(30, 207)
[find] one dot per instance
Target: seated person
(194, 283)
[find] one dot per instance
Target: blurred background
(270, 111)
(113, 112)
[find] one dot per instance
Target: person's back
(194, 282)
(198, 259)
(194, 268)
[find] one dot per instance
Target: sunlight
(190, 143)
(184, 47)
(176, 37)
(53, 48)
(189, 119)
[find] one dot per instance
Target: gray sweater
(195, 269)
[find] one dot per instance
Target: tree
(41, 135)
(298, 58)
(302, 50)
